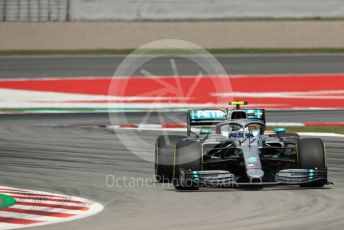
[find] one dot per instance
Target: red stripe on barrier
(129, 126)
(173, 125)
(317, 85)
(11, 220)
(52, 205)
(38, 212)
(255, 83)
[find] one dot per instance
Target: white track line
(286, 124)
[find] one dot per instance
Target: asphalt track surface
(76, 66)
(56, 153)
(59, 153)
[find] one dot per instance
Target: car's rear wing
(204, 118)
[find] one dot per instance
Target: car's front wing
(221, 178)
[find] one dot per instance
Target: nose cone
(255, 173)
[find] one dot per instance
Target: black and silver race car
(229, 148)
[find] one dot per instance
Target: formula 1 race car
(229, 148)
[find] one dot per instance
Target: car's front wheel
(164, 156)
(311, 155)
(188, 156)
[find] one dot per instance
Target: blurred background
(135, 10)
(213, 24)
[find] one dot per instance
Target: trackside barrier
(34, 10)
(131, 10)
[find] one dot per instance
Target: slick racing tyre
(311, 155)
(164, 156)
(188, 157)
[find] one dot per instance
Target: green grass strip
(6, 201)
(172, 51)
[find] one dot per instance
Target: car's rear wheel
(311, 155)
(164, 156)
(188, 156)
